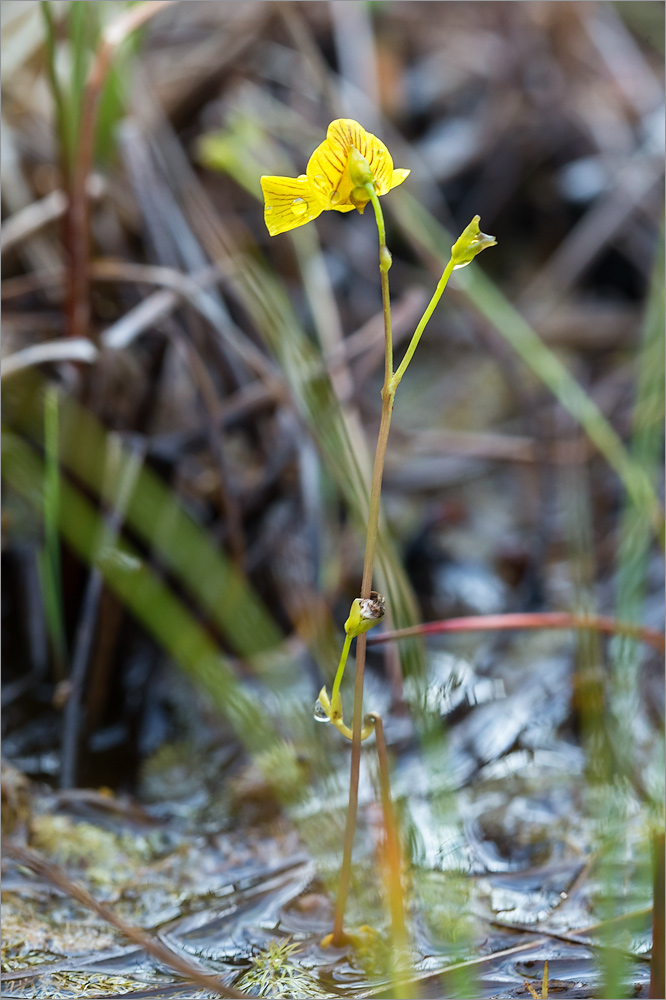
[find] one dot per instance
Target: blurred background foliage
(189, 413)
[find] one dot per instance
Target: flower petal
(289, 203)
(399, 175)
(328, 175)
(328, 167)
(345, 132)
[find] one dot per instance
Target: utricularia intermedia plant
(349, 170)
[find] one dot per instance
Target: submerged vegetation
(196, 535)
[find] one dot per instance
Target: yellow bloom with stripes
(335, 178)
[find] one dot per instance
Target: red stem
(527, 620)
(77, 238)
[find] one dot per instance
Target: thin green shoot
(62, 107)
(409, 354)
(81, 40)
(335, 693)
(50, 569)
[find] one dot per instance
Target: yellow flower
(347, 159)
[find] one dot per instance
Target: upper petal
(289, 202)
(345, 132)
(328, 167)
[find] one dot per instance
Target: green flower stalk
(364, 614)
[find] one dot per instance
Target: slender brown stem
(357, 720)
(366, 584)
(338, 937)
(393, 863)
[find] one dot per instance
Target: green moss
(285, 771)
(106, 857)
(275, 974)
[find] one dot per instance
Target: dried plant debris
(65, 985)
(47, 931)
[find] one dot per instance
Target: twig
(75, 349)
(36, 281)
(57, 877)
(180, 286)
(185, 287)
(469, 964)
(492, 446)
(582, 936)
(34, 217)
(529, 620)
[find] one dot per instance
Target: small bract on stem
(349, 170)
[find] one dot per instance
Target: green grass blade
(62, 107)
(145, 595)
(635, 535)
(50, 569)
(160, 521)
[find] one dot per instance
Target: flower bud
(470, 242)
(365, 613)
(359, 168)
(359, 198)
